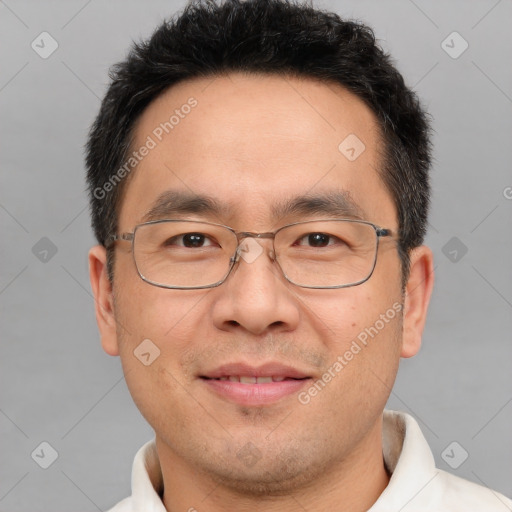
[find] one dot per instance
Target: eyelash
(169, 242)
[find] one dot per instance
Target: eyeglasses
(185, 254)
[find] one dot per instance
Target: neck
(355, 483)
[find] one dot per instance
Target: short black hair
(280, 37)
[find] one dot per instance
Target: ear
(103, 299)
(417, 297)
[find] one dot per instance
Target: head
(249, 103)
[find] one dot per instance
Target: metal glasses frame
(240, 235)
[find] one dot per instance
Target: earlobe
(417, 297)
(103, 299)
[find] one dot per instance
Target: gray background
(56, 384)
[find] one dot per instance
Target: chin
(272, 475)
(261, 483)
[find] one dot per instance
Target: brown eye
(190, 240)
(317, 240)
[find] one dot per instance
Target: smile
(250, 385)
(254, 380)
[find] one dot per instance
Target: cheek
(360, 329)
(167, 317)
(155, 327)
(158, 328)
(158, 391)
(340, 316)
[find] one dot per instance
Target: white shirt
(415, 485)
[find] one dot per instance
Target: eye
(318, 240)
(190, 240)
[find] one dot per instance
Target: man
(259, 189)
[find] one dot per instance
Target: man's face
(250, 143)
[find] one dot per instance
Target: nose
(256, 296)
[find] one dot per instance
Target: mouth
(247, 379)
(254, 386)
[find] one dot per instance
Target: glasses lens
(327, 253)
(182, 253)
(188, 254)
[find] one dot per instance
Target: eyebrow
(333, 204)
(175, 202)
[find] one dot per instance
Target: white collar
(408, 458)
(415, 484)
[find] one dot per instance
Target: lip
(265, 370)
(255, 394)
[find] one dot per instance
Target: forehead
(251, 141)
